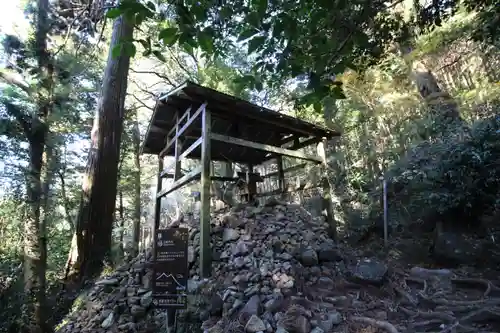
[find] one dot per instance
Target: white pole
(386, 238)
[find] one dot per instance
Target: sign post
(170, 271)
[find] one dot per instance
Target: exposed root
(423, 282)
(443, 316)
(490, 288)
(406, 296)
(488, 314)
(385, 325)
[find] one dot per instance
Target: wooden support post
(251, 185)
(205, 250)
(178, 149)
(158, 199)
(281, 175)
(327, 192)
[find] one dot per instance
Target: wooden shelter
(193, 121)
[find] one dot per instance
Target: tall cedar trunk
(136, 137)
(97, 204)
(34, 245)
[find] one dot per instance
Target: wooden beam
(290, 188)
(224, 179)
(297, 145)
(190, 176)
(263, 147)
(184, 154)
(158, 200)
(327, 192)
(292, 168)
(183, 128)
(205, 251)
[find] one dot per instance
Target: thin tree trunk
(99, 189)
(121, 218)
(136, 137)
(67, 210)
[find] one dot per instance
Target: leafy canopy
(286, 39)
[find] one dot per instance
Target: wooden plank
(224, 179)
(184, 154)
(183, 128)
(263, 147)
(205, 251)
(174, 91)
(190, 176)
(158, 200)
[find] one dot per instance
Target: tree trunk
(121, 218)
(136, 137)
(97, 204)
(34, 273)
(36, 132)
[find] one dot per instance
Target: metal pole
(386, 238)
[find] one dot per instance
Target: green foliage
(287, 39)
(456, 182)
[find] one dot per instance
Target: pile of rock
(120, 302)
(269, 261)
(265, 260)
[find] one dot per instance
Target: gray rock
(147, 299)
(328, 253)
(108, 282)
(328, 321)
(309, 257)
(317, 330)
(252, 307)
(230, 235)
(137, 311)
(280, 329)
(232, 221)
(191, 254)
(240, 249)
(254, 325)
(369, 271)
(109, 321)
(216, 305)
(274, 304)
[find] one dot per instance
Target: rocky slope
(276, 270)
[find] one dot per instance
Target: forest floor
(276, 270)
(417, 295)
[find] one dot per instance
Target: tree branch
(141, 102)
(10, 78)
(161, 76)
